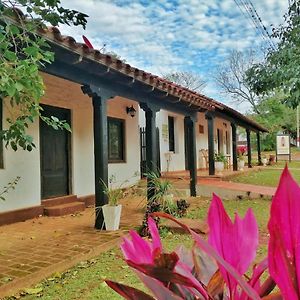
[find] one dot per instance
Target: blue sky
(161, 36)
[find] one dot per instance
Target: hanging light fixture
(131, 111)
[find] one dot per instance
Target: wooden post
(151, 145)
(100, 151)
(249, 148)
(258, 148)
(234, 147)
(211, 143)
(192, 155)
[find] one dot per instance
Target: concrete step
(64, 209)
(59, 200)
(88, 200)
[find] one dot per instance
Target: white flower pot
(264, 161)
(112, 216)
(241, 165)
(219, 166)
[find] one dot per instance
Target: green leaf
(19, 86)
(33, 51)
(10, 55)
(11, 90)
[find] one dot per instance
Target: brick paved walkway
(35, 249)
(243, 187)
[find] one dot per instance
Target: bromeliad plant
(241, 150)
(215, 269)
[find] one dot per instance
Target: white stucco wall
(177, 162)
(62, 93)
(172, 161)
(126, 171)
(27, 166)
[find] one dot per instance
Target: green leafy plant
(113, 192)
(23, 52)
(279, 71)
(220, 157)
(10, 186)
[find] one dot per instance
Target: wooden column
(258, 148)
(249, 148)
(234, 147)
(186, 143)
(151, 146)
(211, 143)
(191, 152)
(100, 151)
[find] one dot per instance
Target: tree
(280, 70)
(189, 80)
(231, 78)
(22, 53)
(276, 117)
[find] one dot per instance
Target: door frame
(69, 147)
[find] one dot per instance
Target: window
(201, 129)
(1, 141)
(116, 140)
(171, 134)
(227, 143)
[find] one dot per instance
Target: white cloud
(161, 36)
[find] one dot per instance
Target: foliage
(280, 69)
(220, 158)
(22, 53)
(113, 192)
(215, 269)
(10, 186)
(232, 80)
(159, 189)
(277, 118)
(159, 199)
(191, 81)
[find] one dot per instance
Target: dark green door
(55, 155)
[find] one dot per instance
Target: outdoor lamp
(131, 111)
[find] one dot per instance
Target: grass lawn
(85, 281)
(266, 177)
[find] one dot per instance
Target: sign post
(283, 146)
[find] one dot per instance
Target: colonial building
(100, 97)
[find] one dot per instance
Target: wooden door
(220, 141)
(55, 155)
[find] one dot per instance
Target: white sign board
(283, 144)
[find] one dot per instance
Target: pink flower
(236, 242)
(284, 243)
(141, 251)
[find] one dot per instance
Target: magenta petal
(128, 249)
(247, 241)
(156, 242)
(235, 242)
(284, 243)
(137, 250)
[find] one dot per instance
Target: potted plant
(241, 150)
(112, 210)
(264, 161)
(220, 161)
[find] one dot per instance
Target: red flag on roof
(87, 42)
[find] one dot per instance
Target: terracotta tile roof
(192, 98)
(169, 87)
